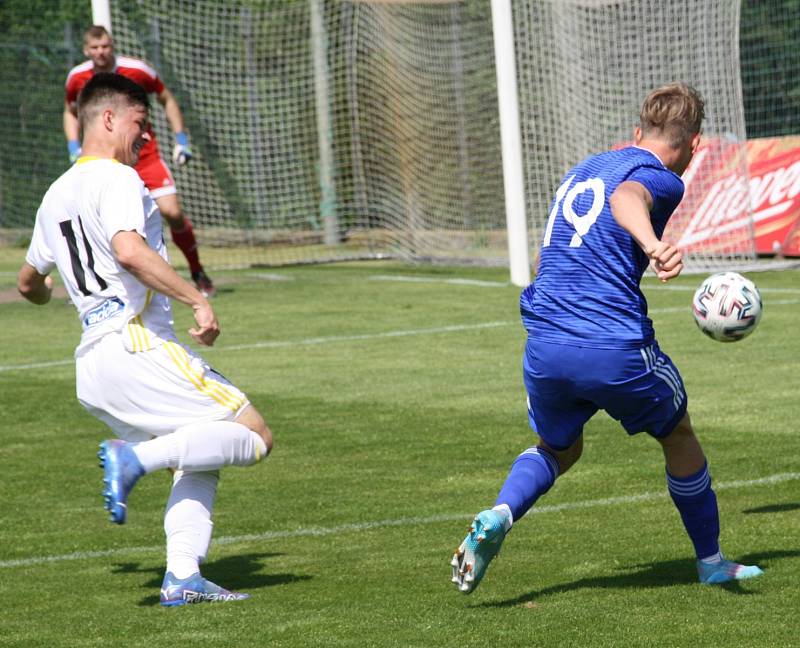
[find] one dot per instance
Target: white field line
(279, 344)
(283, 344)
(270, 276)
(501, 284)
(36, 365)
(319, 532)
(441, 280)
(275, 344)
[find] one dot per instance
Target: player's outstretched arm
(34, 287)
(144, 263)
(182, 153)
(71, 132)
(630, 205)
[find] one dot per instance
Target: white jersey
(76, 221)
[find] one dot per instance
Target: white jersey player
(100, 228)
(78, 217)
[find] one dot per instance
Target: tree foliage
(770, 64)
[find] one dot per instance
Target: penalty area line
(319, 532)
(442, 280)
(359, 337)
(329, 339)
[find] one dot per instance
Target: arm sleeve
(39, 254)
(158, 86)
(664, 186)
(71, 90)
(120, 206)
(147, 78)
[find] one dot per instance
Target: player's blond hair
(95, 32)
(673, 112)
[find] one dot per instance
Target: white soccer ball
(727, 307)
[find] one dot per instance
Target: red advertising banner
(713, 216)
(774, 170)
(720, 198)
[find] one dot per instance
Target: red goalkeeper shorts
(155, 173)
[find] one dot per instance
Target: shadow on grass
(774, 508)
(238, 573)
(660, 574)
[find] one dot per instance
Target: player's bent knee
(566, 458)
(266, 436)
(680, 434)
(251, 418)
(175, 220)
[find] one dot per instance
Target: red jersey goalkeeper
(98, 46)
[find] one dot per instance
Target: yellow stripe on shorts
(140, 341)
(208, 386)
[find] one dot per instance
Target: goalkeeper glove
(181, 154)
(74, 148)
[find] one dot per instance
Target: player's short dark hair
(95, 32)
(108, 88)
(674, 111)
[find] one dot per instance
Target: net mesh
(584, 67)
(383, 140)
(405, 163)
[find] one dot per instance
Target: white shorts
(152, 393)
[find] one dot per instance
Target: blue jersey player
(591, 344)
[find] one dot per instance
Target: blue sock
(697, 504)
(531, 476)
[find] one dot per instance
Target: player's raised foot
(204, 284)
(469, 563)
(195, 589)
(121, 470)
(725, 571)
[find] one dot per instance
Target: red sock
(187, 243)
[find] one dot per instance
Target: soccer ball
(727, 307)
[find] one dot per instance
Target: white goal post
(508, 104)
(101, 13)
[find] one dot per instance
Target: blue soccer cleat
(194, 589)
(486, 535)
(121, 470)
(725, 571)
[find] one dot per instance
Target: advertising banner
(721, 194)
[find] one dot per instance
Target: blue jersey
(586, 290)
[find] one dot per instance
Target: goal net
(335, 129)
(584, 67)
(327, 130)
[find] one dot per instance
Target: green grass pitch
(396, 399)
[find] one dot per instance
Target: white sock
(505, 508)
(714, 559)
(200, 447)
(187, 522)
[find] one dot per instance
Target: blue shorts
(567, 385)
